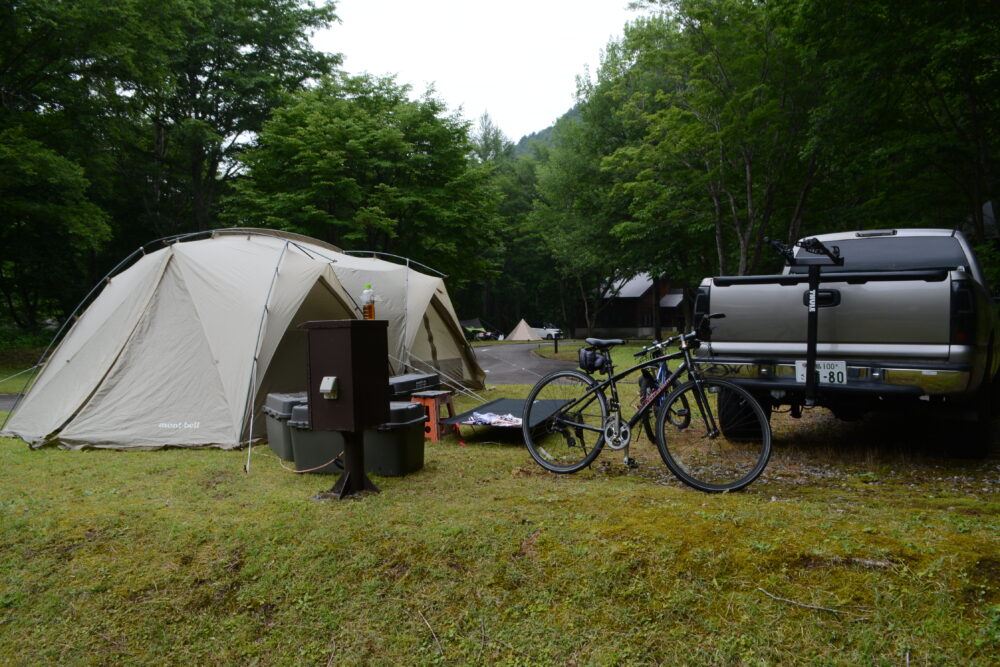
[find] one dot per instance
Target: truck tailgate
(857, 318)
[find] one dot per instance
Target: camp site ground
(859, 544)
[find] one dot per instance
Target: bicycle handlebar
(656, 347)
(691, 335)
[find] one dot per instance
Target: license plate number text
(827, 372)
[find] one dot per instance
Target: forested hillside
(546, 136)
(710, 125)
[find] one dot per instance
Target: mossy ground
(844, 552)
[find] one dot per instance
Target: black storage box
(401, 386)
(314, 451)
(396, 448)
(277, 411)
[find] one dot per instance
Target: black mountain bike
(711, 433)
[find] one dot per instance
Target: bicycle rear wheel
(573, 435)
(727, 443)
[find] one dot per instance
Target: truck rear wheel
(980, 437)
(979, 441)
(731, 407)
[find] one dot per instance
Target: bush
(12, 338)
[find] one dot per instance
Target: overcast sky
(516, 59)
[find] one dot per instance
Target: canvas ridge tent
(523, 332)
(182, 347)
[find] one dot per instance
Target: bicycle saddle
(604, 343)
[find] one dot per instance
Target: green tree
(74, 56)
(910, 124)
(50, 230)
(355, 162)
(575, 214)
(68, 71)
(525, 284)
(489, 143)
(722, 98)
(232, 66)
(141, 108)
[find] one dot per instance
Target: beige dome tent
(181, 348)
(523, 332)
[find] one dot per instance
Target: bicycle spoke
(725, 458)
(572, 437)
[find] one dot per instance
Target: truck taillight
(701, 305)
(963, 314)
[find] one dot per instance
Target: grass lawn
(857, 546)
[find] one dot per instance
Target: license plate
(828, 372)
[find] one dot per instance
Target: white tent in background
(181, 348)
(523, 332)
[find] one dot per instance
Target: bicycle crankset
(617, 433)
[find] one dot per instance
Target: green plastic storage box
(396, 448)
(277, 411)
(314, 451)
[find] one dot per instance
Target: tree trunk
(719, 249)
(795, 224)
(204, 185)
(563, 309)
(586, 307)
(11, 307)
(687, 307)
(657, 326)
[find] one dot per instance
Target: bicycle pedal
(631, 462)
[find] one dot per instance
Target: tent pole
(27, 370)
(406, 317)
(253, 382)
(251, 390)
(449, 380)
(376, 255)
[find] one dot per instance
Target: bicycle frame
(664, 382)
(614, 404)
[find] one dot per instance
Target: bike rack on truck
(824, 257)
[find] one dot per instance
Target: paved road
(516, 363)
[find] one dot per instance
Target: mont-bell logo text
(178, 425)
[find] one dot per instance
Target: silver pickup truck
(899, 316)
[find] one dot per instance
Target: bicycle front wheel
(727, 443)
(563, 422)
